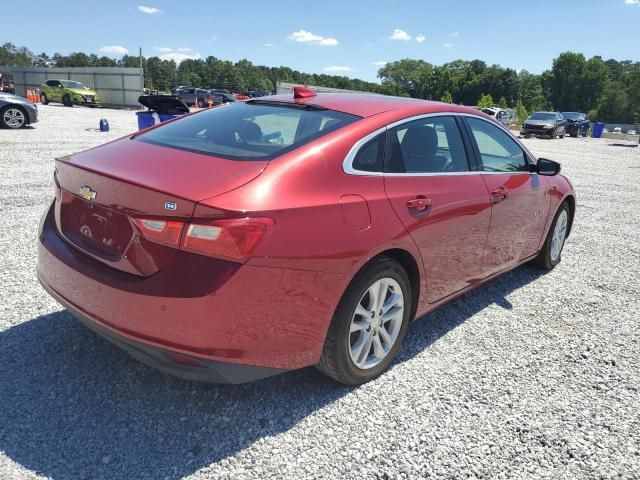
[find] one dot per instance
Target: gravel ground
(530, 376)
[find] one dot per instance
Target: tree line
(608, 90)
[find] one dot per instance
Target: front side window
(248, 130)
(428, 145)
(71, 84)
(498, 151)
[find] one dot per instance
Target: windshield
(572, 115)
(69, 84)
(543, 116)
(243, 131)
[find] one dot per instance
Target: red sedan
(293, 230)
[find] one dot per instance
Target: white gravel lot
(530, 376)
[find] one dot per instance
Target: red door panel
(518, 218)
(448, 217)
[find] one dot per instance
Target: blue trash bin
(597, 130)
(160, 109)
(145, 119)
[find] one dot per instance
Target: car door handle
(500, 193)
(420, 203)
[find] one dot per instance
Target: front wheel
(553, 134)
(12, 117)
(369, 324)
(66, 100)
(550, 254)
(43, 99)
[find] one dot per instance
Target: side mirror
(547, 167)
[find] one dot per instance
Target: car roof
(367, 104)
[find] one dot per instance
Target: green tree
(502, 103)
(484, 101)
(446, 97)
(521, 112)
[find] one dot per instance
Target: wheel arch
(571, 202)
(410, 265)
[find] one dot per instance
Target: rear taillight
(231, 238)
(165, 232)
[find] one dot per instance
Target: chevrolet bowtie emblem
(86, 193)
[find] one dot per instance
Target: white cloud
(454, 34)
(338, 68)
(117, 49)
(303, 36)
(380, 63)
(447, 45)
(268, 45)
(400, 35)
(420, 38)
(632, 2)
(177, 54)
(149, 10)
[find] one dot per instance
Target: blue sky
(342, 37)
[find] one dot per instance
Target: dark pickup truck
(551, 124)
(577, 123)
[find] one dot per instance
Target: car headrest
(249, 131)
(421, 139)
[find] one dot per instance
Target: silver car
(16, 111)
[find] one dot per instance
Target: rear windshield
(572, 115)
(244, 131)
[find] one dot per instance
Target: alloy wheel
(376, 323)
(13, 118)
(559, 235)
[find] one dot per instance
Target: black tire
(544, 259)
(200, 103)
(335, 360)
(527, 135)
(574, 136)
(66, 100)
(4, 124)
(43, 99)
(562, 135)
(553, 134)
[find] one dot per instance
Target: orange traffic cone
(33, 96)
(37, 95)
(195, 103)
(28, 94)
(210, 102)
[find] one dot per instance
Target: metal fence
(118, 87)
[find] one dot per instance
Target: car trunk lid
(103, 190)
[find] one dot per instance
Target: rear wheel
(66, 100)
(551, 252)
(43, 99)
(200, 103)
(553, 134)
(12, 117)
(369, 324)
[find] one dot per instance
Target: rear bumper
(178, 365)
(218, 314)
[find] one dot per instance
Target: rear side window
(370, 155)
(427, 145)
(498, 151)
(248, 131)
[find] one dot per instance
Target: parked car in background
(6, 83)
(16, 111)
(217, 91)
(577, 123)
(220, 98)
(256, 93)
(631, 132)
(500, 114)
(241, 96)
(68, 92)
(294, 230)
(617, 130)
(198, 97)
(177, 88)
(550, 124)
